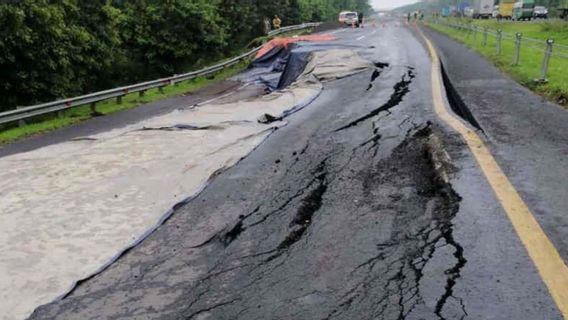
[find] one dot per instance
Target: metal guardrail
(23, 113)
(543, 46)
(293, 28)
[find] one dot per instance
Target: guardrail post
(142, 93)
(518, 38)
(22, 122)
(161, 89)
(474, 33)
(547, 54)
(484, 42)
(498, 43)
(93, 107)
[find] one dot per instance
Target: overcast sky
(390, 4)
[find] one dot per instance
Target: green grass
(530, 63)
(75, 115)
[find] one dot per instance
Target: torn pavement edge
(179, 205)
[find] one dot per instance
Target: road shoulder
(526, 134)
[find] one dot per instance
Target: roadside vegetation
(72, 116)
(531, 54)
(51, 50)
(57, 49)
(41, 124)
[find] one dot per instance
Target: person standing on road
(276, 22)
(361, 19)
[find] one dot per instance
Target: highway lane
(342, 214)
(527, 134)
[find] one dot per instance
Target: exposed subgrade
(401, 88)
(380, 66)
(387, 284)
(456, 103)
(406, 186)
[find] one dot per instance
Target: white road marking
(365, 35)
(338, 31)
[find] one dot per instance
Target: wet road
(345, 213)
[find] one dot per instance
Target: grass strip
(82, 113)
(531, 54)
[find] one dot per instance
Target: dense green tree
(168, 36)
(105, 54)
(241, 21)
(40, 47)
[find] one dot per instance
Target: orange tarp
(284, 42)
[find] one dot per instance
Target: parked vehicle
(446, 11)
(523, 10)
(469, 12)
(349, 18)
(454, 11)
(540, 12)
(461, 7)
(506, 9)
(563, 8)
(495, 13)
(482, 9)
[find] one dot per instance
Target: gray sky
(390, 4)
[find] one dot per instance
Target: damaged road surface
(364, 206)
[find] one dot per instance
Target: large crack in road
(346, 230)
(403, 190)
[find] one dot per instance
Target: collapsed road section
(403, 193)
(342, 229)
(363, 206)
(73, 207)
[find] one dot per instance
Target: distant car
(495, 13)
(540, 12)
(468, 12)
(349, 18)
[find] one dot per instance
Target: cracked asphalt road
(342, 214)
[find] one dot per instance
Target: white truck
(482, 9)
(349, 18)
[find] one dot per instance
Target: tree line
(50, 49)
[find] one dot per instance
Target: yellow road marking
(544, 255)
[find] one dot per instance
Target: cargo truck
(523, 10)
(505, 9)
(482, 9)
